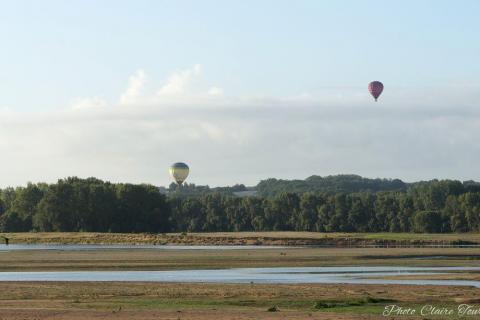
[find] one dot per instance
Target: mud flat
(153, 259)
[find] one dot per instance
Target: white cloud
(135, 88)
(215, 91)
(89, 103)
(408, 134)
(178, 82)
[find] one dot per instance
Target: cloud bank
(410, 134)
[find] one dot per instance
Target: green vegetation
(427, 222)
(273, 309)
(75, 204)
(93, 205)
(223, 301)
(331, 184)
(279, 238)
(322, 304)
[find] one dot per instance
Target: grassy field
(84, 300)
(252, 238)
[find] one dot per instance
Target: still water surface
(81, 247)
(359, 275)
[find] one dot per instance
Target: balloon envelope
(179, 172)
(375, 88)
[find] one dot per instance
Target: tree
(11, 222)
(339, 218)
(74, 204)
(428, 221)
(215, 217)
(141, 208)
(358, 215)
(22, 206)
(57, 211)
(325, 213)
(406, 212)
(7, 196)
(471, 205)
(386, 212)
(307, 213)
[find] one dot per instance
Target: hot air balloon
(179, 172)
(375, 88)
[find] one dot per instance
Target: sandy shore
(153, 259)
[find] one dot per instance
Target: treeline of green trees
(439, 206)
(338, 183)
(75, 204)
(190, 189)
(344, 183)
(347, 183)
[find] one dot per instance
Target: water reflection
(86, 247)
(360, 275)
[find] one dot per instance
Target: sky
(239, 90)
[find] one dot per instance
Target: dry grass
(60, 300)
(257, 238)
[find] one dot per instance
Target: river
(353, 275)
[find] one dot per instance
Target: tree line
(75, 204)
(337, 183)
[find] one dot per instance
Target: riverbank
(171, 259)
(114, 300)
(286, 238)
(147, 300)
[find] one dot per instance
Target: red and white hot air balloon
(375, 88)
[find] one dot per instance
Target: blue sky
(316, 56)
(56, 51)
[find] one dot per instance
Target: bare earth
(173, 315)
(153, 259)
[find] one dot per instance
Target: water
(354, 275)
(87, 247)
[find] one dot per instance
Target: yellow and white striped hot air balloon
(179, 172)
